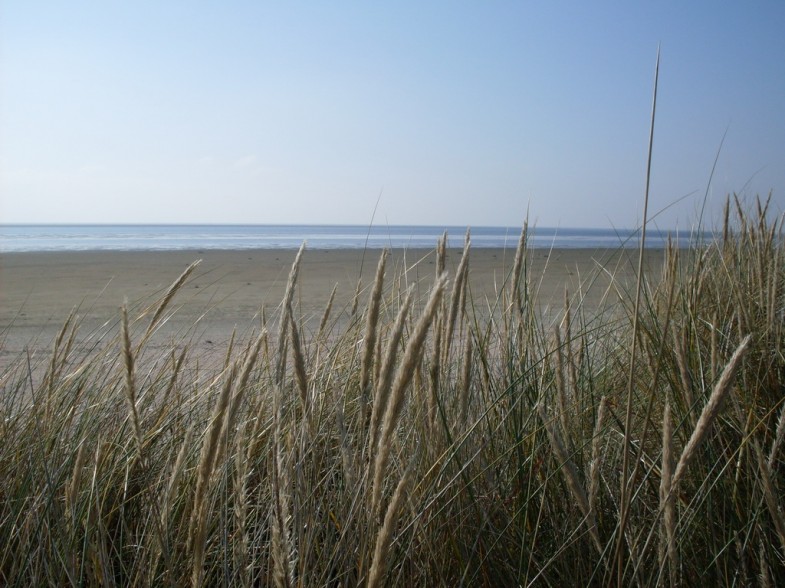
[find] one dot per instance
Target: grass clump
(427, 439)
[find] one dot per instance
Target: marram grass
(429, 438)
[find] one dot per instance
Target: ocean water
(198, 237)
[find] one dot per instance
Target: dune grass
(421, 441)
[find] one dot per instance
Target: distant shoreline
(333, 237)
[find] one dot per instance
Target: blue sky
(455, 112)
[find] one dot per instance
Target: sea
(21, 238)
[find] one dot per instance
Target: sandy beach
(231, 289)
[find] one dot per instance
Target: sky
(445, 113)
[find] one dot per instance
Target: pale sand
(229, 288)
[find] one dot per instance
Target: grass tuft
(410, 444)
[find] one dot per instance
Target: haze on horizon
(450, 113)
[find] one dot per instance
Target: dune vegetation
(423, 437)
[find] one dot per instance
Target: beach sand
(232, 289)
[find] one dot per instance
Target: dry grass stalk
(174, 478)
(230, 348)
(385, 535)
(198, 524)
(742, 573)
(177, 365)
(238, 392)
(670, 272)
(714, 364)
(462, 303)
(419, 377)
(517, 266)
(680, 345)
(286, 306)
(774, 298)
(326, 315)
(668, 553)
(281, 550)
(170, 292)
(167, 504)
(369, 340)
(384, 382)
(742, 217)
(710, 412)
(76, 479)
(434, 371)
(240, 539)
(298, 359)
(567, 466)
(571, 367)
(779, 435)
(626, 481)
(771, 497)
(280, 544)
(263, 420)
(403, 377)
(455, 297)
(377, 358)
(356, 299)
(561, 386)
(57, 361)
(765, 572)
(596, 455)
(441, 255)
(130, 384)
(347, 461)
(466, 380)
(95, 513)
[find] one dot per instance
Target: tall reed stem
(625, 481)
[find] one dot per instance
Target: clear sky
(455, 112)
